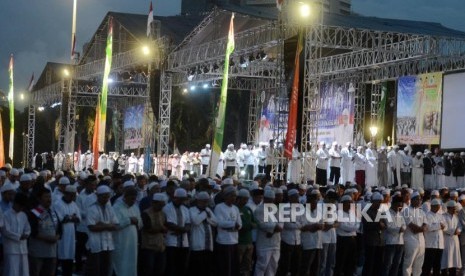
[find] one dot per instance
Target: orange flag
(95, 140)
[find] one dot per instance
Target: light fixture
(110, 80)
(41, 108)
(66, 72)
(373, 131)
(21, 96)
(205, 85)
(146, 50)
(192, 87)
(184, 90)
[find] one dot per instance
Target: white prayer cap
(376, 197)
(451, 204)
(292, 192)
(8, 166)
(348, 143)
(462, 197)
(207, 146)
(315, 192)
(162, 177)
(180, 193)
(419, 154)
(387, 192)
(283, 187)
(397, 193)
(103, 189)
(70, 189)
(268, 187)
(451, 154)
(152, 184)
(128, 183)
(33, 176)
(346, 198)
(421, 191)
(243, 193)
(316, 186)
(303, 186)
(25, 177)
(43, 173)
(382, 188)
(14, 172)
(254, 186)
(462, 153)
(410, 191)
(217, 187)
(59, 173)
(2, 173)
(159, 197)
(395, 147)
(7, 187)
(269, 194)
(229, 190)
(415, 194)
(335, 143)
(231, 146)
(454, 194)
(202, 196)
(278, 191)
(64, 181)
(435, 202)
(243, 146)
(322, 143)
(106, 178)
(404, 186)
(227, 181)
(435, 193)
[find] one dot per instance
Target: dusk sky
(40, 31)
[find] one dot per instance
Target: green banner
(11, 101)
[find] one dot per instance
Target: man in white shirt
(177, 244)
(334, 164)
(347, 165)
(434, 239)
(249, 161)
(395, 163)
(230, 158)
(205, 158)
(360, 166)
(268, 239)
(394, 238)
(290, 240)
(227, 239)
(346, 246)
(416, 222)
(311, 237)
(261, 156)
(328, 235)
(101, 222)
(322, 164)
(201, 236)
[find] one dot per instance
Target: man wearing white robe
(395, 163)
(347, 165)
(69, 215)
(371, 172)
(295, 166)
(451, 259)
(102, 162)
(417, 171)
(124, 256)
(15, 232)
(132, 161)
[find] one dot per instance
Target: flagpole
(73, 30)
(12, 110)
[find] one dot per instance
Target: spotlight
(242, 173)
(192, 87)
(184, 91)
(243, 62)
(110, 80)
(41, 108)
(146, 50)
(305, 10)
(66, 72)
(205, 85)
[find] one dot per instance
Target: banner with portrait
(133, 121)
(336, 118)
(270, 106)
(419, 109)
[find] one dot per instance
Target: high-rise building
(199, 6)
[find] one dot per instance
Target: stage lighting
(192, 87)
(110, 80)
(305, 10)
(205, 85)
(41, 108)
(146, 50)
(66, 72)
(373, 131)
(262, 55)
(185, 91)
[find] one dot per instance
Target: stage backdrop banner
(419, 109)
(336, 121)
(269, 118)
(133, 120)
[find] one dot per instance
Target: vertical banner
(11, 101)
(382, 114)
(73, 31)
(133, 126)
(2, 147)
(95, 140)
(293, 103)
(104, 97)
(336, 120)
(219, 122)
(419, 109)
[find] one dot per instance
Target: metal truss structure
(164, 116)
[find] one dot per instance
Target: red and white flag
(150, 20)
(31, 83)
(279, 4)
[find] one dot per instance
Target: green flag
(11, 101)
(220, 119)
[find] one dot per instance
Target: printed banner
(336, 121)
(269, 118)
(419, 109)
(133, 121)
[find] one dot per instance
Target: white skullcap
(435, 193)
(454, 194)
(315, 192)
(59, 173)
(268, 187)
(82, 175)
(254, 186)
(395, 147)
(316, 186)
(303, 186)
(103, 189)
(64, 181)
(152, 184)
(8, 166)
(410, 191)
(419, 154)
(451, 154)
(376, 197)
(435, 202)
(387, 192)
(269, 194)
(128, 183)
(283, 187)
(462, 153)
(243, 193)
(106, 178)
(348, 143)
(404, 186)
(227, 181)
(451, 204)
(415, 194)
(14, 172)
(217, 187)
(43, 173)
(33, 176)
(278, 191)
(229, 190)
(368, 194)
(25, 177)
(335, 143)
(346, 198)
(159, 197)
(180, 193)
(7, 187)
(292, 192)
(70, 189)
(202, 196)
(421, 191)
(322, 143)
(462, 197)
(207, 145)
